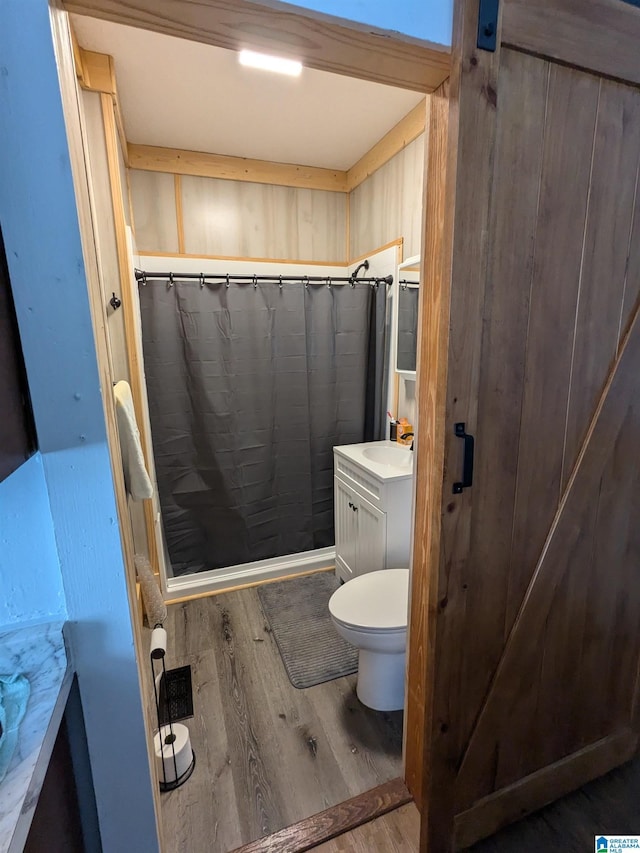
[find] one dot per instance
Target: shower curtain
(250, 387)
(407, 349)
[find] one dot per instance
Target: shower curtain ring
(255, 283)
(227, 281)
(280, 282)
(329, 281)
(144, 279)
(306, 282)
(170, 279)
(201, 281)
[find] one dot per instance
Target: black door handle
(467, 470)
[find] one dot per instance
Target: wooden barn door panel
(606, 239)
(502, 382)
(544, 656)
(537, 614)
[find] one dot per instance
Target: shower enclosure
(251, 382)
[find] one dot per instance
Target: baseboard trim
(543, 787)
(314, 830)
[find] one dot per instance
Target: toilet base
(381, 680)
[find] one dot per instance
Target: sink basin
(395, 457)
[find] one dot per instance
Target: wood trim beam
(322, 42)
(177, 161)
(177, 189)
(96, 73)
(405, 131)
(314, 830)
(543, 787)
(297, 261)
(152, 158)
(399, 241)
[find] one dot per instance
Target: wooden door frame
(431, 387)
(62, 43)
(354, 50)
(323, 42)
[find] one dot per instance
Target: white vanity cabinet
(372, 511)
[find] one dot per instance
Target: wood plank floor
(608, 806)
(267, 755)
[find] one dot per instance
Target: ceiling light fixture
(270, 63)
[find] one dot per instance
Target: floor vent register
(176, 695)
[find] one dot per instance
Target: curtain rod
(224, 278)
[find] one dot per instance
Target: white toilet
(371, 613)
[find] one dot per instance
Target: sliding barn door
(536, 600)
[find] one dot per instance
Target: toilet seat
(376, 602)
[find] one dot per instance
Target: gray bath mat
(298, 613)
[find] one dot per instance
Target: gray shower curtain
(250, 387)
(407, 350)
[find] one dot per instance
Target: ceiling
(182, 94)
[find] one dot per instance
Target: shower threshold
(247, 574)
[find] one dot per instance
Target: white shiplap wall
(239, 219)
(262, 220)
(388, 205)
(247, 220)
(154, 211)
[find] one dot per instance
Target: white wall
(46, 267)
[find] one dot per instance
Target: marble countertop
(37, 651)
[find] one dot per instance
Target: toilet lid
(375, 601)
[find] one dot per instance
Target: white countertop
(354, 453)
(38, 652)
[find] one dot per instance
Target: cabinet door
(371, 537)
(346, 530)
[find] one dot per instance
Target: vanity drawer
(360, 480)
